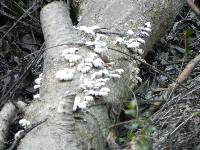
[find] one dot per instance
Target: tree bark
(7, 116)
(65, 129)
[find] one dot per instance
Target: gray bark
(7, 116)
(62, 130)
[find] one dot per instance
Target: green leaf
(132, 106)
(196, 113)
(130, 135)
(187, 35)
(143, 144)
(120, 141)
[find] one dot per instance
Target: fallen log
(63, 99)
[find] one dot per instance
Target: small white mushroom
(147, 24)
(98, 62)
(36, 86)
(38, 80)
(145, 29)
(130, 32)
(84, 67)
(140, 51)
(70, 51)
(36, 96)
(78, 103)
(140, 40)
(105, 89)
(19, 134)
(65, 74)
(24, 123)
(120, 71)
(88, 98)
(134, 44)
(115, 76)
(119, 40)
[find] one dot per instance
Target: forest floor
(163, 123)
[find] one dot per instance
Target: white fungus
(98, 85)
(92, 92)
(100, 46)
(70, 51)
(130, 32)
(38, 80)
(88, 98)
(95, 85)
(19, 134)
(144, 33)
(24, 123)
(87, 84)
(65, 74)
(140, 51)
(140, 40)
(145, 29)
(139, 79)
(98, 62)
(105, 89)
(40, 75)
(82, 105)
(102, 80)
(36, 96)
(92, 55)
(114, 76)
(119, 40)
(105, 72)
(78, 103)
(133, 44)
(102, 93)
(84, 67)
(71, 55)
(148, 24)
(88, 60)
(120, 71)
(79, 18)
(97, 74)
(36, 86)
(136, 70)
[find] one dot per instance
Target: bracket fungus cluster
(95, 70)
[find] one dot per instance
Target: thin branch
(194, 8)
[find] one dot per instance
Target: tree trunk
(65, 129)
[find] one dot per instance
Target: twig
(111, 33)
(184, 122)
(194, 8)
(188, 69)
(120, 123)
